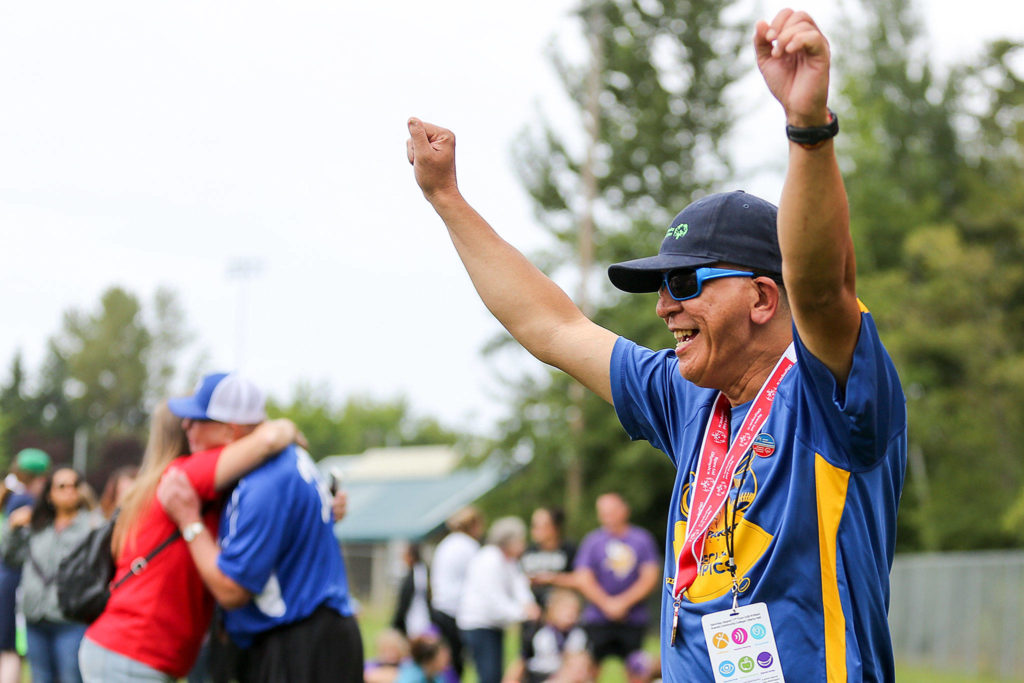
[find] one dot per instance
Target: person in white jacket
(496, 594)
(448, 575)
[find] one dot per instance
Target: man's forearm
(531, 306)
(818, 260)
(226, 592)
(520, 296)
(586, 583)
(814, 224)
(642, 587)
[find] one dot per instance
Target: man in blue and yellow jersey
(778, 404)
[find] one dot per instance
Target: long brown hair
(166, 442)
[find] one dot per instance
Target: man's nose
(666, 304)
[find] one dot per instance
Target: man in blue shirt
(277, 568)
(778, 404)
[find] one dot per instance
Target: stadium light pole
(242, 271)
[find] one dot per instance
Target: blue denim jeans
(53, 651)
(100, 665)
(485, 647)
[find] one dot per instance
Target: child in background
(577, 667)
(642, 667)
(392, 650)
(430, 660)
(542, 656)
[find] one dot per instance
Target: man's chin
(688, 373)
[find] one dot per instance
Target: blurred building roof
(405, 493)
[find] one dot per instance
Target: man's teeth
(684, 335)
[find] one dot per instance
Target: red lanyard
(716, 466)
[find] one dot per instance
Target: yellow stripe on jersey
(830, 489)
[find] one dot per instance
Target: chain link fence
(960, 612)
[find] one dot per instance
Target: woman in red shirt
(154, 622)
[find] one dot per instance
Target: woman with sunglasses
(40, 537)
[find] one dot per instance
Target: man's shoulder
(593, 538)
(280, 465)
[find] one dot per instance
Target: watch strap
(192, 530)
(812, 136)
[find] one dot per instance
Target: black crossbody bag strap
(139, 564)
(46, 578)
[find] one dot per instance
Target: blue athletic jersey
(815, 521)
(277, 541)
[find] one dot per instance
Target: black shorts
(613, 640)
(325, 646)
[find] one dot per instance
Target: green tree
(100, 373)
(356, 424)
(168, 333)
(653, 98)
(13, 408)
(934, 170)
(106, 357)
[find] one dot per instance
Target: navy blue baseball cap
(222, 397)
(729, 227)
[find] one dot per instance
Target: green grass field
(374, 618)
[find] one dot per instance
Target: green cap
(32, 460)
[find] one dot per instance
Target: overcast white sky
(146, 144)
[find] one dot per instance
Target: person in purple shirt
(616, 568)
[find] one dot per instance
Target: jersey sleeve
(252, 533)
(860, 419)
(651, 399)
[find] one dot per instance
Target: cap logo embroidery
(677, 231)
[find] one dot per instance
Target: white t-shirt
(448, 570)
(496, 591)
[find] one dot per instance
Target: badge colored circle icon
(739, 636)
(720, 640)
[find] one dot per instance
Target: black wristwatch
(812, 136)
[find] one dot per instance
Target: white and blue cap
(223, 397)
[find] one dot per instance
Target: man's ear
(769, 298)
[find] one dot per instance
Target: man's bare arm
(249, 452)
(814, 222)
(181, 503)
(530, 305)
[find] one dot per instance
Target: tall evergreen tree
(935, 165)
(100, 373)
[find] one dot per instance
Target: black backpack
(84, 575)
